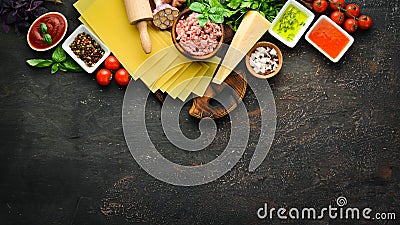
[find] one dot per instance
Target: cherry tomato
(320, 6)
(364, 22)
(103, 77)
(337, 17)
(351, 25)
(122, 77)
(352, 10)
(112, 63)
(336, 3)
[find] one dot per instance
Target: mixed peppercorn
(87, 49)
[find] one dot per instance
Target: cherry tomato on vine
(364, 22)
(352, 10)
(320, 6)
(337, 17)
(122, 77)
(351, 25)
(103, 77)
(112, 63)
(336, 3)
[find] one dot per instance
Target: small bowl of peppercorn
(86, 48)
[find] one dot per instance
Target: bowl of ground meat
(194, 41)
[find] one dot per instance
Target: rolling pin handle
(144, 36)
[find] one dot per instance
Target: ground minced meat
(197, 40)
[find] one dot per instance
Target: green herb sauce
(290, 23)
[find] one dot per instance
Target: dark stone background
(64, 160)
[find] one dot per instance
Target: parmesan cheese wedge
(251, 29)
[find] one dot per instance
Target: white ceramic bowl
(53, 44)
(299, 34)
(344, 50)
(70, 39)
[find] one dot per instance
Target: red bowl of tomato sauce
(329, 38)
(52, 24)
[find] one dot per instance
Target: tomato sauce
(329, 38)
(56, 27)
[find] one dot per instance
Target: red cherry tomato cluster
(342, 14)
(112, 66)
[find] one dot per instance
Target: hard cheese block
(250, 30)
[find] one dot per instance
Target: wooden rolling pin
(139, 12)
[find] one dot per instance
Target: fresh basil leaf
(255, 5)
(245, 5)
(59, 55)
(234, 4)
(228, 13)
(203, 19)
(216, 18)
(215, 3)
(216, 10)
(198, 7)
(47, 38)
(62, 67)
(43, 28)
(72, 66)
(54, 68)
(39, 62)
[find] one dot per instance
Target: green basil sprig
(58, 61)
(213, 11)
(233, 11)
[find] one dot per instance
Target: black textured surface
(64, 160)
